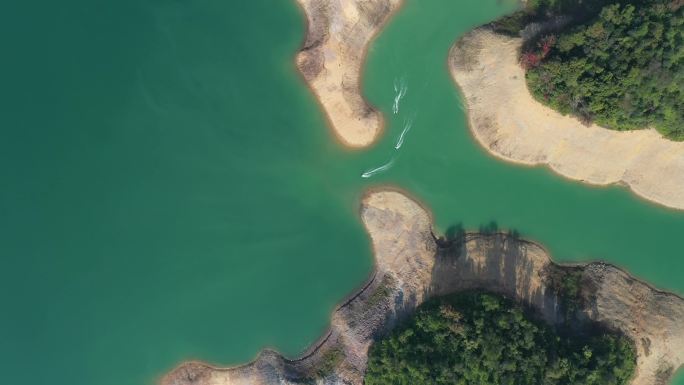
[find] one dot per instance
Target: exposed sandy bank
(508, 122)
(338, 35)
(411, 267)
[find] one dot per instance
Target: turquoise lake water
(171, 190)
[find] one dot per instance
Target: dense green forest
(478, 338)
(619, 64)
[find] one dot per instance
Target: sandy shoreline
(411, 267)
(331, 59)
(512, 125)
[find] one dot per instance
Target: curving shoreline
(337, 39)
(511, 125)
(411, 266)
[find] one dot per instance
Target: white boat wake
(380, 169)
(407, 126)
(400, 89)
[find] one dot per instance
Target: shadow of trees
(451, 243)
(492, 259)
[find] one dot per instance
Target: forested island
(619, 64)
(592, 89)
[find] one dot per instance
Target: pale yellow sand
(338, 35)
(511, 124)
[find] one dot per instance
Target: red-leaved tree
(533, 58)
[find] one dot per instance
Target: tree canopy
(623, 69)
(482, 339)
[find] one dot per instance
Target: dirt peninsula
(331, 59)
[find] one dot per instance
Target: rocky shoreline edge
(412, 265)
(511, 125)
(331, 59)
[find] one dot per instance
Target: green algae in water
(170, 189)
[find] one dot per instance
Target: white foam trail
(407, 126)
(400, 89)
(377, 170)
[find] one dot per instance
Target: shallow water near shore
(171, 190)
